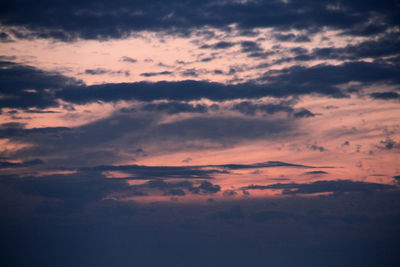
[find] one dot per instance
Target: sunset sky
(200, 133)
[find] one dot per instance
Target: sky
(200, 133)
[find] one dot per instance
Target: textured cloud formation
(101, 19)
(28, 87)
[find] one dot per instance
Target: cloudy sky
(200, 133)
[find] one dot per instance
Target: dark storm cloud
(102, 19)
(24, 86)
(336, 187)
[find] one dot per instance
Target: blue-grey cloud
(101, 71)
(128, 59)
(250, 108)
(29, 87)
(321, 79)
(304, 113)
(101, 19)
(23, 86)
(388, 47)
(336, 187)
(151, 74)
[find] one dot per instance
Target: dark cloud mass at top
(103, 19)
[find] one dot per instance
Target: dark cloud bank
(101, 19)
(80, 220)
(28, 87)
